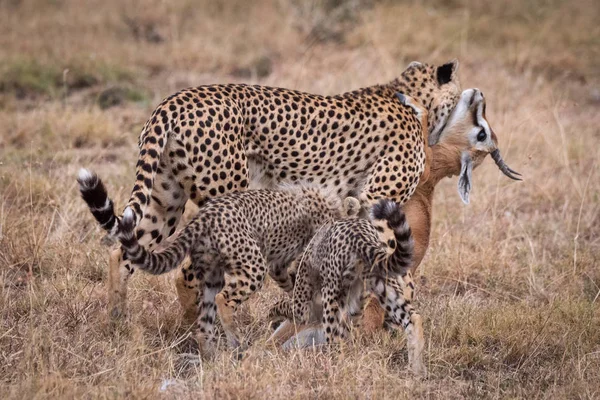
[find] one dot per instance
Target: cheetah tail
(389, 214)
(155, 263)
(95, 195)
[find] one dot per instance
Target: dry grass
(511, 284)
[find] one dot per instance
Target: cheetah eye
(481, 135)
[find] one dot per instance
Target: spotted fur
(244, 235)
(344, 253)
(202, 142)
(345, 258)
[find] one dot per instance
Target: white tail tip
(128, 215)
(85, 175)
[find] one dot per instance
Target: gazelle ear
(464, 180)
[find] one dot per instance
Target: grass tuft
(509, 290)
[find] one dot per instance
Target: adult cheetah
(204, 142)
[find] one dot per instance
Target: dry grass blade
(511, 303)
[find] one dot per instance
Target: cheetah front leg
(296, 310)
(330, 295)
(396, 174)
(313, 333)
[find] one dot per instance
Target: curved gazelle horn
(503, 167)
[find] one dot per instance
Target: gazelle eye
(481, 135)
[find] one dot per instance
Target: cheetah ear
(351, 207)
(464, 180)
(414, 64)
(447, 72)
(401, 97)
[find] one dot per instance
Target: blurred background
(146, 49)
(509, 289)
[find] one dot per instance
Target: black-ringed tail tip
(86, 178)
(96, 197)
(93, 192)
(128, 220)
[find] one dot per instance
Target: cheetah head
(436, 87)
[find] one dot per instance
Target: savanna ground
(509, 289)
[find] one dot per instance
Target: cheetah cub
(244, 235)
(347, 258)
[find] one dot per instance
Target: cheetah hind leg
(395, 296)
(212, 284)
(157, 224)
(295, 309)
(119, 272)
(414, 330)
(188, 292)
(247, 276)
